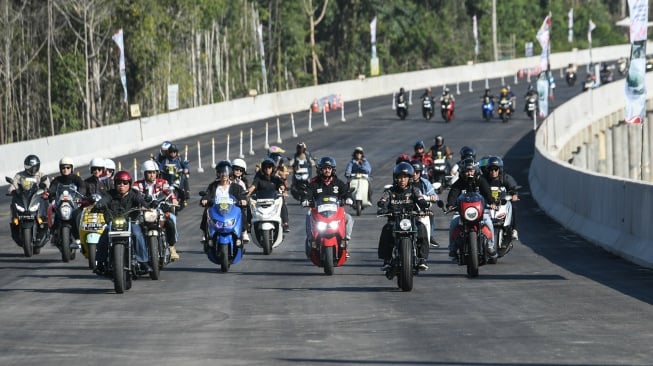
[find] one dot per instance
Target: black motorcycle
(32, 232)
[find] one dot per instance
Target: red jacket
(426, 159)
(159, 186)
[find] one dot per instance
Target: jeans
(138, 240)
(487, 221)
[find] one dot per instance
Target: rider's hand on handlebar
(349, 202)
(203, 203)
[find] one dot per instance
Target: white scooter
(502, 220)
(267, 230)
(359, 183)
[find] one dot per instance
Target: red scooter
(327, 247)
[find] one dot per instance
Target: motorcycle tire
(223, 254)
(405, 279)
(91, 256)
(266, 241)
(65, 244)
(327, 260)
(28, 247)
(505, 118)
(359, 207)
(472, 255)
(120, 272)
(153, 249)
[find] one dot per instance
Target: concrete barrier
(612, 212)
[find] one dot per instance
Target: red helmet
(122, 176)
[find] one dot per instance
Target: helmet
(66, 161)
(301, 145)
(507, 87)
(401, 90)
(468, 164)
(149, 166)
(439, 140)
(109, 164)
(32, 164)
(327, 161)
(467, 152)
(358, 149)
(530, 87)
(403, 158)
(446, 90)
(122, 175)
(428, 90)
(418, 166)
(402, 169)
(277, 158)
(267, 162)
(419, 144)
(223, 167)
(504, 90)
(495, 161)
(173, 148)
(96, 163)
(487, 91)
(165, 146)
(239, 163)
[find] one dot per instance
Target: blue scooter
(223, 245)
(488, 108)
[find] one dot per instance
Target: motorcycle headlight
(119, 224)
(66, 212)
(405, 224)
(333, 225)
(150, 216)
(226, 224)
(471, 214)
(321, 226)
(34, 207)
(20, 208)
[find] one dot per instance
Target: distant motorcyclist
(360, 164)
(465, 153)
(239, 170)
(163, 152)
(152, 186)
(67, 176)
(401, 97)
(440, 149)
(428, 191)
(172, 159)
(487, 97)
(96, 183)
(302, 159)
(530, 92)
(109, 171)
(25, 178)
(496, 176)
(421, 155)
(469, 179)
(427, 94)
(267, 180)
(402, 195)
(507, 96)
(446, 96)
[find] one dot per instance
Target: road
(554, 300)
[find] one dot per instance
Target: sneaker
(173, 254)
(99, 269)
(515, 235)
(492, 253)
(245, 237)
(77, 244)
(386, 266)
(286, 228)
(368, 204)
(421, 264)
(434, 243)
(145, 267)
(347, 255)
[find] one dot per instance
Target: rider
(470, 179)
(326, 183)
(446, 96)
(439, 148)
(109, 171)
(487, 94)
(427, 94)
(511, 97)
(119, 200)
(266, 180)
(428, 191)
(31, 175)
(163, 152)
(402, 194)
(401, 98)
(95, 183)
(239, 170)
(302, 159)
(66, 167)
(497, 177)
(465, 152)
(223, 187)
(530, 92)
(360, 164)
(421, 155)
(152, 186)
(172, 159)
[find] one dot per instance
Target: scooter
(222, 245)
(327, 247)
(267, 230)
(359, 184)
(67, 199)
(487, 108)
(91, 227)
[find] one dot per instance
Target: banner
(259, 30)
(475, 30)
(118, 39)
(373, 30)
(592, 26)
(635, 92)
(543, 36)
(570, 16)
(543, 95)
(374, 62)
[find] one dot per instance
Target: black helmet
(419, 144)
(403, 169)
(418, 166)
(439, 140)
(267, 162)
(173, 148)
(301, 146)
(495, 161)
(276, 157)
(327, 161)
(32, 164)
(468, 164)
(467, 152)
(401, 90)
(223, 167)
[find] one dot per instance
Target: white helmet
(240, 163)
(149, 166)
(96, 163)
(66, 161)
(109, 164)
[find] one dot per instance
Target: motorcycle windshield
(223, 205)
(471, 197)
(65, 192)
(327, 206)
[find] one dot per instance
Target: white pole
(503, 81)
(310, 115)
(186, 153)
(292, 122)
(326, 124)
(199, 159)
(278, 132)
(251, 141)
(241, 146)
(228, 142)
(267, 145)
(458, 88)
(470, 86)
(516, 79)
(360, 112)
(410, 97)
(394, 96)
(487, 84)
(135, 168)
(342, 113)
(213, 151)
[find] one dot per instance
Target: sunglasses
(494, 169)
(123, 182)
(96, 168)
(65, 167)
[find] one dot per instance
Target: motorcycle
(606, 75)
(470, 236)
(25, 203)
(438, 172)
(155, 222)
(505, 109)
(622, 66)
(404, 254)
(327, 247)
(570, 77)
(502, 220)
(427, 108)
(267, 231)
(531, 105)
(91, 227)
(446, 109)
(122, 265)
(359, 184)
(178, 181)
(222, 245)
(402, 109)
(487, 108)
(66, 201)
(300, 179)
(588, 84)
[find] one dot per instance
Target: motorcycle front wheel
(153, 245)
(119, 268)
(91, 255)
(327, 260)
(65, 244)
(223, 254)
(266, 241)
(405, 279)
(472, 255)
(359, 207)
(28, 248)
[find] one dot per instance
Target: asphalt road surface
(554, 300)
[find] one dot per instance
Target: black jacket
(317, 188)
(462, 184)
(409, 198)
(112, 203)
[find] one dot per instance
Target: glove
(305, 203)
(349, 202)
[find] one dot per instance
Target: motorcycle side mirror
(42, 186)
(9, 180)
(148, 198)
(95, 197)
(439, 203)
(387, 186)
(202, 193)
(352, 189)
